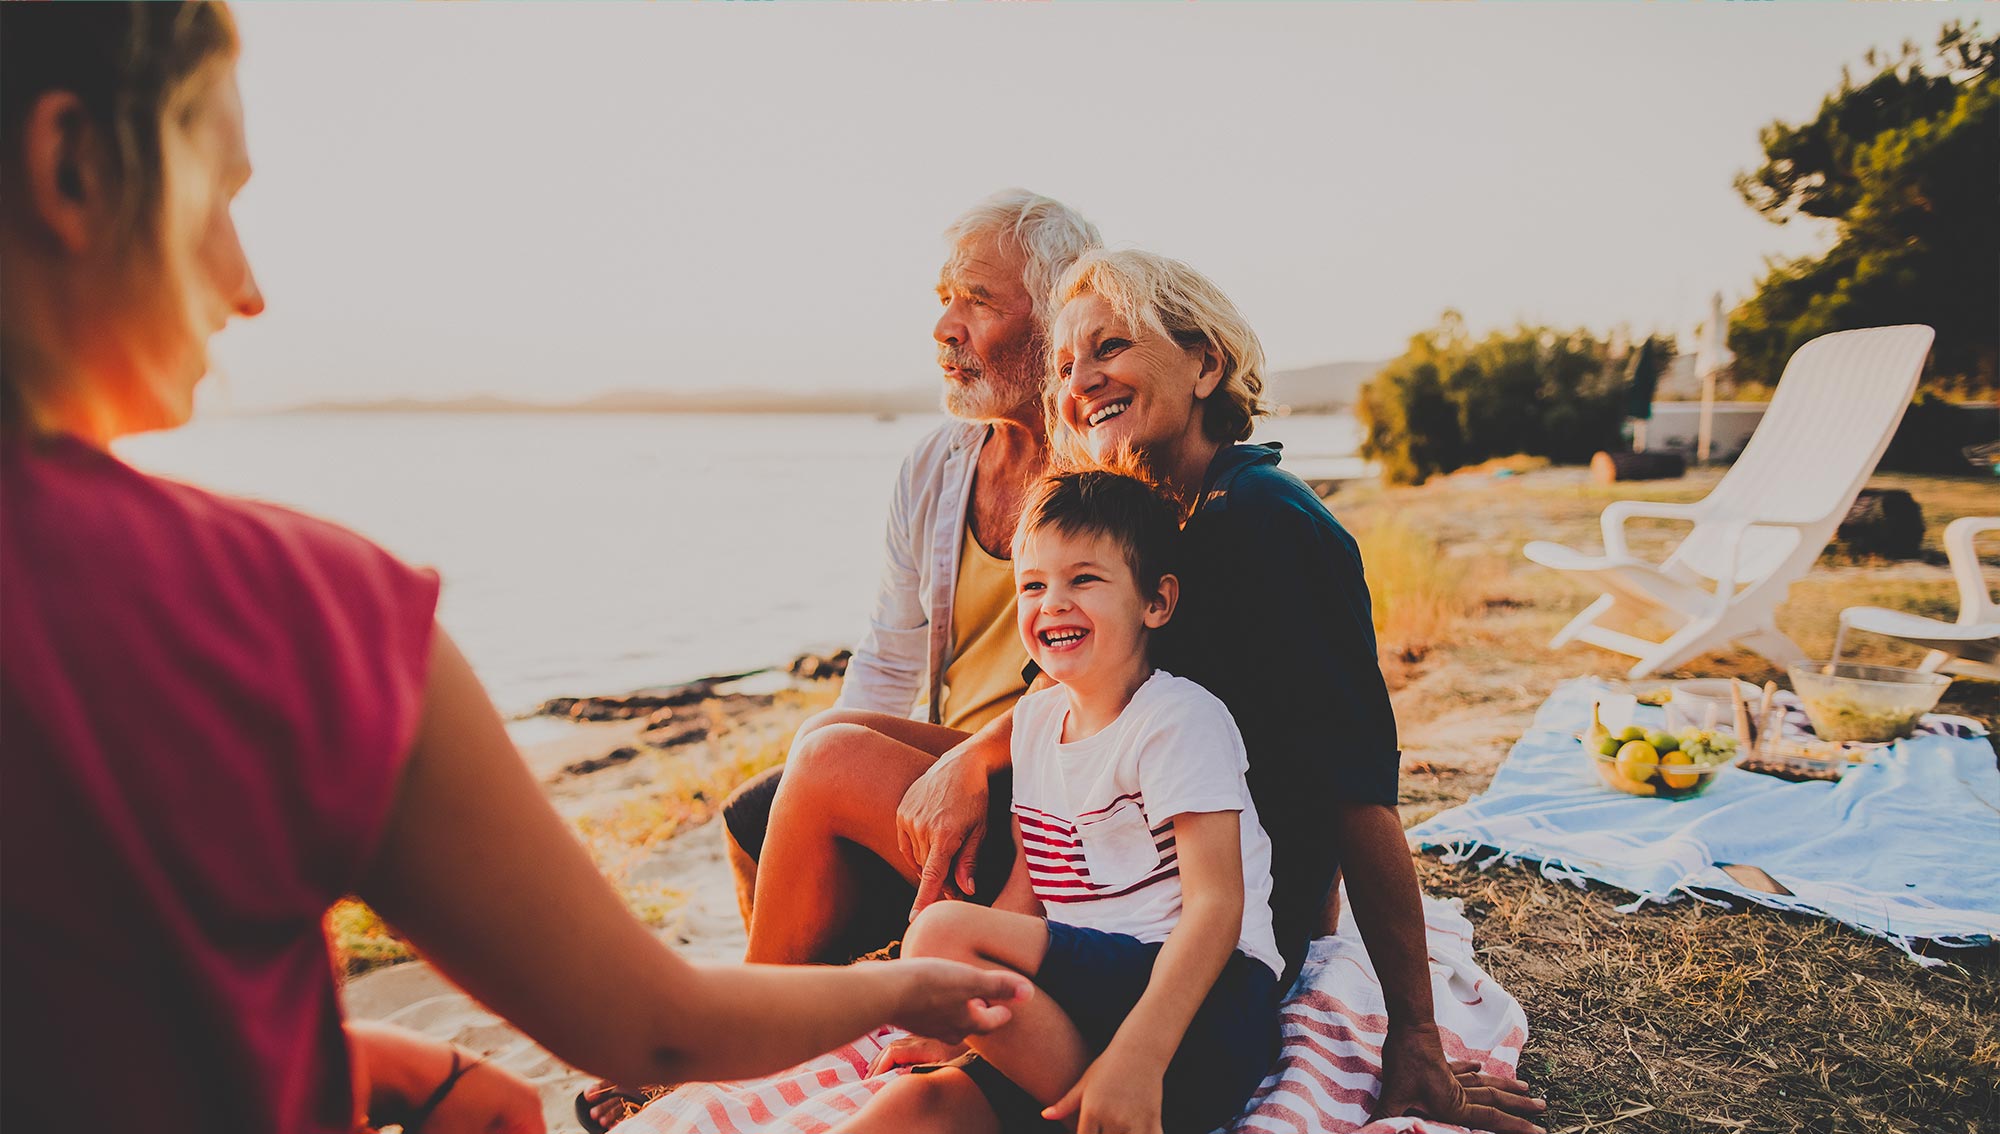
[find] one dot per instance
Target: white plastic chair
(1970, 646)
(1766, 521)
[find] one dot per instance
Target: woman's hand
(398, 1070)
(942, 821)
(488, 1100)
(1417, 1080)
(911, 1050)
(1117, 1095)
(948, 1001)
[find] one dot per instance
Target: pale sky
(550, 201)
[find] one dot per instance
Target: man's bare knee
(822, 764)
(826, 717)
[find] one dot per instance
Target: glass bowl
(1667, 781)
(1865, 702)
(1706, 704)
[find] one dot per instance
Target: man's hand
(1417, 1080)
(948, 1001)
(940, 824)
(911, 1050)
(1116, 1095)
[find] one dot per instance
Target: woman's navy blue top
(1275, 620)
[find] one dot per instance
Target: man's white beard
(988, 399)
(1001, 391)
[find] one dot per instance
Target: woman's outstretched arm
(478, 871)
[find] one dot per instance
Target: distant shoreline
(1329, 388)
(885, 403)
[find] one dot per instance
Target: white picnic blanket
(1906, 847)
(1329, 1064)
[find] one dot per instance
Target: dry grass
(1420, 597)
(1686, 1017)
(1730, 1020)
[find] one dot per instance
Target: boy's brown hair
(1141, 519)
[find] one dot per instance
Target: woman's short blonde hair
(1170, 298)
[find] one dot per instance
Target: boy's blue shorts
(1096, 978)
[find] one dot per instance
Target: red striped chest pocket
(1118, 845)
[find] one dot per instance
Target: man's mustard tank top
(983, 678)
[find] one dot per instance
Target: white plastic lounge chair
(1970, 646)
(1766, 521)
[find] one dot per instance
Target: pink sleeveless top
(204, 707)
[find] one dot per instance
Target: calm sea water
(587, 554)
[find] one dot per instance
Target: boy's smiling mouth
(1063, 637)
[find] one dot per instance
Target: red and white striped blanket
(1328, 1073)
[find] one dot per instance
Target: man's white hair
(1050, 235)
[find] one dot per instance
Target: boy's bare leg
(842, 784)
(945, 1101)
(1040, 1050)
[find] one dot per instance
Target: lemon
(1662, 741)
(1631, 733)
(1637, 760)
(1678, 780)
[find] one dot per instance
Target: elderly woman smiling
(1155, 367)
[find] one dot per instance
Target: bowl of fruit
(1658, 763)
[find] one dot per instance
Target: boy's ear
(1160, 607)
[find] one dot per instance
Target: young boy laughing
(1139, 902)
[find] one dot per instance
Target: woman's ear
(1212, 363)
(1160, 607)
(68, 185)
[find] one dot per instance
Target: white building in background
(1679, 383)
(1676, 427)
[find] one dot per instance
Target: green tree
(1907, 165)
(1450, 401)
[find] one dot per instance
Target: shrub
(1449, 401)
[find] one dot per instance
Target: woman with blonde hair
(222, 716)
(1156, 371)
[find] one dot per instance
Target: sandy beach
(415, 995)
(641, 799)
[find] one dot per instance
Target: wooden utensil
(1745, 738)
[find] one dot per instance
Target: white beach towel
(1906, 847)
(1329, 1064)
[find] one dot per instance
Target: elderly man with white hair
(941, 656)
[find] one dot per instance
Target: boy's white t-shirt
(1096, 814)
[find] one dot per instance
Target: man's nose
(950, 329)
